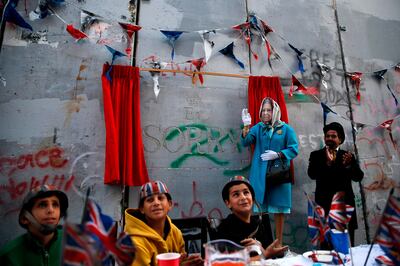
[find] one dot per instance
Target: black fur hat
(336, 127)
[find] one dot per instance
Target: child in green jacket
(42, 209)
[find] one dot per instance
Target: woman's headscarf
(276, 114)
(276, 111)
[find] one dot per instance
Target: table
(359, 255)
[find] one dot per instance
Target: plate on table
(324, 256)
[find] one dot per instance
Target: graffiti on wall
(21, 173)
(196, 208)
(194, 140)
(311, 141)
(335, 94)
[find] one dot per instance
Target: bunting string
(254, 26)
(245, 34)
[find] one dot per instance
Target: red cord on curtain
(124, 162)
(260, 87)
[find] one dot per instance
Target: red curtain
(260, 87)
(124, 162)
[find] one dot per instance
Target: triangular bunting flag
(228, 51)
(114, 54)
(326, 110)
(198, 63)
(298, 55)
(388, 126)
(172, 36)
(129, 29)
(380, 74)
(208, 45)
(11, 15)
(156, 84)
(155, 74)
(88, 19)
(358, 127)
(355, 77)
(266, 27)
(77, 34)
(394, 96)
(265, 30)
(41, 11)
(244, 29)
(300, 87)
(324, 69)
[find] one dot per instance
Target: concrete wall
(52, 102)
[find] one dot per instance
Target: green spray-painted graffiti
(198, 149)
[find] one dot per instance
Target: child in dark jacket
(42, 209)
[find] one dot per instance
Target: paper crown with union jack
(151, 188)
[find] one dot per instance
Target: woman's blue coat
(283, 140)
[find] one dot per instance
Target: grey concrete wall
(52, 125)
(52, 101)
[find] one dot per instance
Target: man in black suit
(334, 169)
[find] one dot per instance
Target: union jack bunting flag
(340, 212)
(97, 235)
(317, 226)
(388, 236)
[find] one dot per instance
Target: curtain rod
(195, 72)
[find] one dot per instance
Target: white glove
(246, 118)
(269, 155)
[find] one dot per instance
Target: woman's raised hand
(246, 118)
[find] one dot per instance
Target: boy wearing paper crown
(240, 226)
(41, 211)
(151, 227)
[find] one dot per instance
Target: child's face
(156, 207)
(47, 210)
(240, 199)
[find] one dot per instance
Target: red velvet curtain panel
(124, 162)
(260, 87)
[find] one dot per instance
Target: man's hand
(193, 259)
(347, 157)
(274, 249)
(269, 155)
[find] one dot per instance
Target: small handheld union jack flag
(340, 212)
(317, 226)
(97, 235)
(384, 260)
(388, 236)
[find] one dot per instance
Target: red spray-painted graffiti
(50, 157)
(21, 173)
(197, 208)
